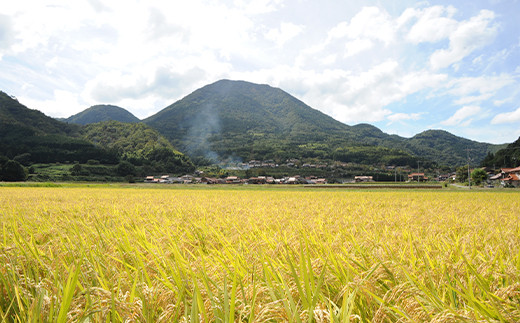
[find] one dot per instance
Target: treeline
(506, 157)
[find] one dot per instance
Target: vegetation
(507, 157)
(462, 174)
(142, 255)
(138, 144)
(231, 120)
(31, 137)
(445, 148)
(99, 113)
(11, 170)
(479, 176)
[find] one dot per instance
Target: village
(190, 179)
(506, 177)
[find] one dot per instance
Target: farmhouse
(211, 180)
(359, 179)
(233, 180)
(149, 179)
(417, 177)
(508, 176)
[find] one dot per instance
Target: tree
(76, 169)
(478, 176)
(13, 171)
(125, 168)
(462, 174)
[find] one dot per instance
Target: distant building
(417, 177)
(508, 176)
(359, 179)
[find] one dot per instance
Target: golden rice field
(264, 255)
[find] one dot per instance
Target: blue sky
(403, 66)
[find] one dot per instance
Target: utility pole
(469, 177)
(418, 168)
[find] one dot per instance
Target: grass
(254, 255)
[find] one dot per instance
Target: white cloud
(258, 6)
(353, 65)
(357, 46)
(469, 36)
(370, 22)
(433, 24)
(397, 117)
(284, 33)
(463, 116)
(6, 34)
(474, 90)
(60, 104)
(507, 117)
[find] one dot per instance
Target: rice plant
(216, 255)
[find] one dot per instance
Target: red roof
(512, 177)
(510, 170)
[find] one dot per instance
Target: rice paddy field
(97, 254)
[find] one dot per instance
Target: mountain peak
(102, 112)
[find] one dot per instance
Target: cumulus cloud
(357, 46)
(257, 7)
(370, 23)
(433, 24)
(284, 33)
(6, 33)
(60, 103)
(398, 117)
(353, 66)
(507, 117)
(466, 38)
(363, 97)
(164, 82)
(159, 26)
(463, 116)
(474, 90)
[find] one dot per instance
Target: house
(359, 179)
(291, 180)
(175, 180)
(444, 177)
(417, 177)
(149, 179)
(164, 179)
(232, 180)
(508, 176)
(209, 180)
(257, 180)
(513, 179)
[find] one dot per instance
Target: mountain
(506, 157)
(34, 137)
(237, 120)
(443, 146)
(138, 144)
(98, 113)
(29, 137)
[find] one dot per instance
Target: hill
(98, 113)
(443, 146)
(506, 157)
(237, 120)
(32, 137)
(138, 144)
